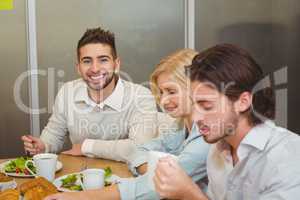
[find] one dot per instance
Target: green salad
(107, 175)
(18, 166)
(71, 183)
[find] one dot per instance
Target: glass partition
(13, 121)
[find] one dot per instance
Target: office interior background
(43, 34)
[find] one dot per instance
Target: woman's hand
(66, 196)
(108, 193)
(83, 195)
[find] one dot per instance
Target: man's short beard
(107, 82)
(226, 128)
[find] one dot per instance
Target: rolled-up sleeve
(192, 152)
(191, 157)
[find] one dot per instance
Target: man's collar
(259, 135)
(257, 138)
(114, 100)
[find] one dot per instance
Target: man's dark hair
(97, 35)
(233, 67)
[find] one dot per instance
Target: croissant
(37, 189)
(43, 184)
(4, 178)
(10, 194)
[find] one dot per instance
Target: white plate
(59, 166)
(57, 182)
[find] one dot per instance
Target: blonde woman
(170, 87)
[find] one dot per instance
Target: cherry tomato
(26, 172)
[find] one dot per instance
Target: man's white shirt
(268, 166)
(111, 129)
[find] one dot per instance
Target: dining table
(73, 164)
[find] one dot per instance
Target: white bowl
(8, 185)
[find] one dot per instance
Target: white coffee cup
(153, 158)
(92, 179)
(45, 164)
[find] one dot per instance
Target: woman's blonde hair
(173, 64)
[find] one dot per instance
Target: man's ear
(117, 64)
(244, 102)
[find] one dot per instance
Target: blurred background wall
(270, 30)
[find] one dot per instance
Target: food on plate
(37, 189)
(10, 194)
(6, 182)
(18, 166)
(4, 178)
(107, 175)
(37, 193)
(71, 182)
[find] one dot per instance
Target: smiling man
(251, 157)
(104, 115)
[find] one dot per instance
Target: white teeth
(97, 77)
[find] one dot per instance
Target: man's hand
(75, 151)
(33, 145)
(171, 182)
